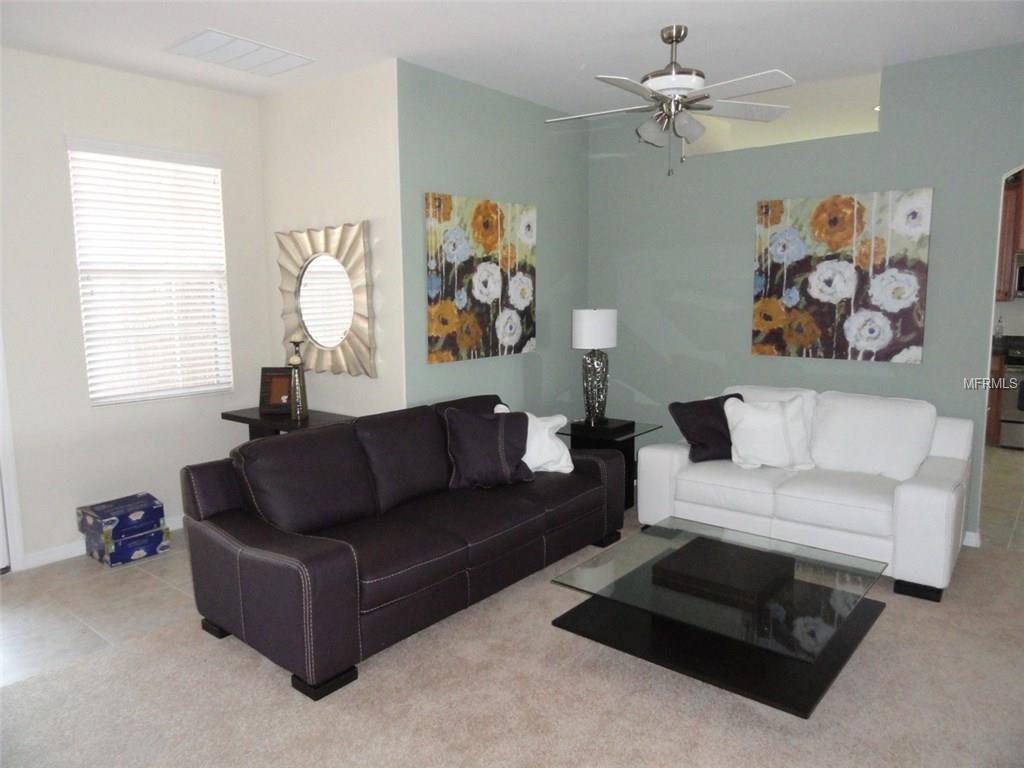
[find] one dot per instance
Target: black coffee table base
(785, 683)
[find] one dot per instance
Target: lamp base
(595, 385)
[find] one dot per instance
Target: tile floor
(1002, 499)
(56, 615)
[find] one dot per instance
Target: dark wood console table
(275, 424)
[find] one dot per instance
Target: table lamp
(595, 329)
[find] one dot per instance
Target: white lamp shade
(594, 328)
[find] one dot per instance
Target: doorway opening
(1002, 494)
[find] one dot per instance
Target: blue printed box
(127, 516)
(120, 551)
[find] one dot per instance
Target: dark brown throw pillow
(486, 449)
(705, 427)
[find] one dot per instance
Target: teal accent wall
(675, 254)
(464, 139)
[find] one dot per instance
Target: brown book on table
(723, 572)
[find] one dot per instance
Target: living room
(381, 123)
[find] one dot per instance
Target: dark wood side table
(615, 433)
(275, 424)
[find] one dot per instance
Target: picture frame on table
(275, 390)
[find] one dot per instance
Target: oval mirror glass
(324, 297)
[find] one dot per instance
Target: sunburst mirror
(328, 297)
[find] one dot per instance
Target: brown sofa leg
(317, 692)
(608, 539)
(922, 591)
(219, 632)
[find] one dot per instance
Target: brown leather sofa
(324, 546)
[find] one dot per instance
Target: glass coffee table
(764, 618)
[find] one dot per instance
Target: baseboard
(972, 539)
(74, 549)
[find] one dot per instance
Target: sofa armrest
(657, 468)
(928, 522)
(210, 488)
(608, 466)
(953, 438)
(294, 598)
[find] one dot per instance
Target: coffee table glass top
(783, 597)
(580, 429)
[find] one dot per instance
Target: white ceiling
(544, 52)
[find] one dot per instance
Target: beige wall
(68, 452)
(331, 157)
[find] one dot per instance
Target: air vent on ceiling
(238, 53)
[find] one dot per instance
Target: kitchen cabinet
(992, 423)
(1011, 237)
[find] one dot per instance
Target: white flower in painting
(867, 330)
(520, 290)
(812, 633)
(487, 283)
(832, 281)
(530, 345)
(528, 227)
(508, 327)
(894, 290)
(912, 213)
(910, 355)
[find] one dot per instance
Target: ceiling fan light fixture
(674, 80)
(653, 131)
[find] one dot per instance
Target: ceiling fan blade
(633, 87)
(687, 127)
(747, 110)
(653, 132)
(744, 86)
(624, 110)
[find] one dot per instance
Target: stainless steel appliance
(1011, 414)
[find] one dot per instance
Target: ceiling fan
(673, 92)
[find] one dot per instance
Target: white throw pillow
(545, 452)
(759, 393)
(768, 434)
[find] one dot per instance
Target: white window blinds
(149, 237)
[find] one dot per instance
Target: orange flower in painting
(769, 314)
(469, 331)
(801, 330)
(764, 349)
(488, 223)
(865, 259)
(834, 221)
(442, 318)
(509, 257)
(438, 207)
(440, 356)
(769, 212)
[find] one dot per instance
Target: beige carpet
(497, 685)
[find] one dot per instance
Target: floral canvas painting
(842, 277)
(481, 278)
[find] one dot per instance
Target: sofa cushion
(396, 558)
(723, 485)
(486, 449)
(491, 521)
(760, 394)
(877, 435)
(407, 453)
(473, 404)
(703, 424)
(564, 497)
(846, 501)
(308, 479)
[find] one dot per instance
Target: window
(149, 237)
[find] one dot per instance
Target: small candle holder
(297, 393)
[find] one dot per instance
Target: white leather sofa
(889, 483)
